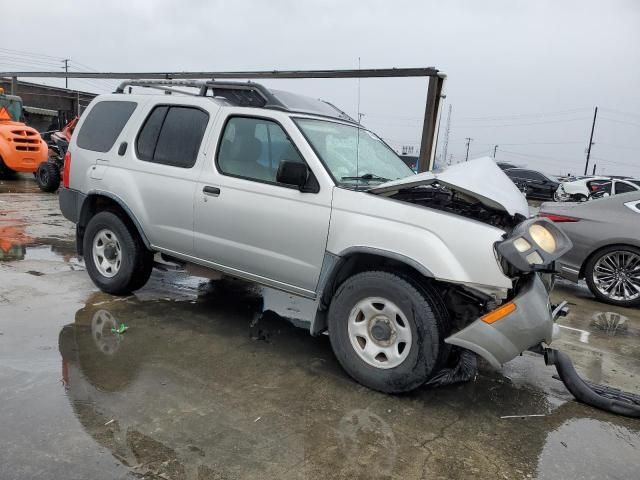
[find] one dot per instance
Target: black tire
(48, 177)
(136, 261)
(423, 314)
(579, 198)
(589, 271)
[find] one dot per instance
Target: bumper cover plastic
(530, 324)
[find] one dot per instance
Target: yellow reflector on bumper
(499, 313)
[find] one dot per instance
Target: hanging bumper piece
(598, 396)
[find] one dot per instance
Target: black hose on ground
(605, 398)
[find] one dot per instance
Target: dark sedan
(533, 184)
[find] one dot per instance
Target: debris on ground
(121, 329)
(465, 369)
(525, 416)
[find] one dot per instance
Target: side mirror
(295, 173)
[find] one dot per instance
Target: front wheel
(613, 275)
(116, 258)
(48, 177)
(385, 332)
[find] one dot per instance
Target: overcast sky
(524, 75)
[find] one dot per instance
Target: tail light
(558, 218)
(66, 169)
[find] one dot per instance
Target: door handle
(211, 191)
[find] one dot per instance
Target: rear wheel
(116, 258)
(613, 275)
(48, 177)
(385, 332)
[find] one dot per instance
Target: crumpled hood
(481, 178)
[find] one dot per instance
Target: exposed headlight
(543, 237)
(534, 244)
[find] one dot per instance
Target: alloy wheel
(616, 275)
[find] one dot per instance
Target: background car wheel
(579, 197)
(48, 177)
(117, 260)
(613, 275)
(385, 332)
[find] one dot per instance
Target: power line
(12, 58)
(516, 116)
(523, 124)
(626, 147)
(29, 54)
(620, 112)
(620, 121)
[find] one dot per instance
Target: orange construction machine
(22, 149)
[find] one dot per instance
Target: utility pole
(593, 127)
(66, 70)
(594, 170)
(446, 135)
(466, 158)
(495, 147)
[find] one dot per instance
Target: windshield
(12, 106)
(352, 154)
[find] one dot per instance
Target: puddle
(610, 323)
(153, 396)
(20, 184)
(590, 449)
(16, 245)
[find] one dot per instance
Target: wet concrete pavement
(197, 389)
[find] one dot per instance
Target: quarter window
(103, 125)
(624, 188)
(172, 136)
(253, 148)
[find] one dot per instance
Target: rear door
(164, 162)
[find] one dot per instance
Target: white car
(583, 189)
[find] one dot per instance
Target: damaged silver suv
(291, 193)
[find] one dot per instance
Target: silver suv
(290, 192)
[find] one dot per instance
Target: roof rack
(239, 93)
(244, 94)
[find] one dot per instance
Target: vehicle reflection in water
(611, 323)
(207, 388)
(12, 242)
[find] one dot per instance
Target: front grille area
(25, 140)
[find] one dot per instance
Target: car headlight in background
(534, 244)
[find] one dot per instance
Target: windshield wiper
(367, 176)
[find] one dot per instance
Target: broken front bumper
(529, 324)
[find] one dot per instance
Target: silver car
(606, 245)
(290, 193)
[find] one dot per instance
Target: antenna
(359, 119)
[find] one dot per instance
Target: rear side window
(172, 136)
(103, 125)
(624, 188)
